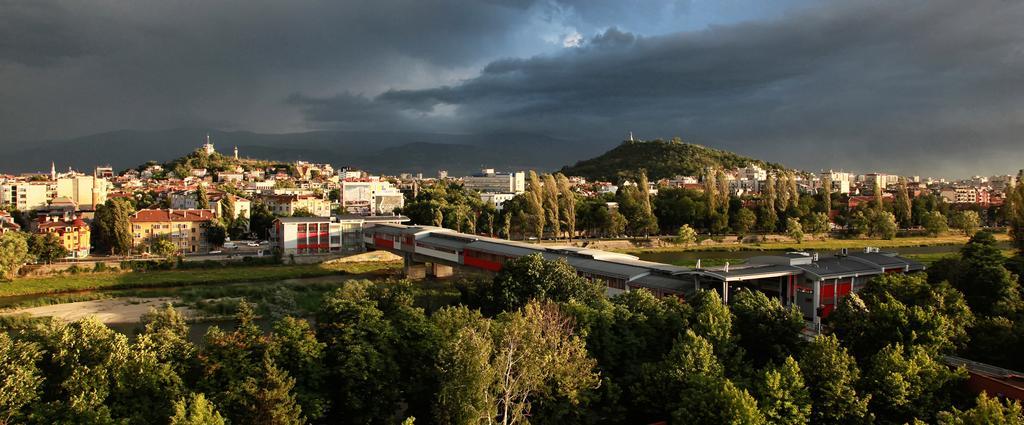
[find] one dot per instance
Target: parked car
(216, 251)
(230, 245)
(253, 244)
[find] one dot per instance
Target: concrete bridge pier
(414, 270)
(439, 270)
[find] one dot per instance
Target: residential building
(286, 205)
(86, 191)
(7, 223)
(321, 235)
(185, 228)
(370, 196)
(487, 180)
(496, 199)
(840, 180)
(73, 233)
(187, 200)
(26, 196)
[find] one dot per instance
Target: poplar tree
(826, 193)
(782, 396)
(535, 204)
(901, 208)
(202, 202)
(551, 207)
(568, 203)
(832, 380)
(794, 191)
(711, 190)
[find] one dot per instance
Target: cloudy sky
(917, 87)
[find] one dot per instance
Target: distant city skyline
(926, 88)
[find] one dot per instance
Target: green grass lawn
(822, 245)
(180, 277)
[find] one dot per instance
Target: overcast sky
(917, 87)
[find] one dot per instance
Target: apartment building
(86, 191)
(487, 180)
(286, 205)
(73, 233)
(370, 196)
(26, 196)
(321, 235)
(185, 228)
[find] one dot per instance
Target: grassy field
(821, 245)
(182, 277)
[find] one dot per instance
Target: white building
(487, 180)
(84, 190)
(373, 196)
(27, 196)
(321, 235)
(496, 199)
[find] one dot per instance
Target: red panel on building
(383, 243)
(470, 260)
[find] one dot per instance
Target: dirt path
(114, 310)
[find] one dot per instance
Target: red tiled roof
(150, 216)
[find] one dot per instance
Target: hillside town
(201, 208)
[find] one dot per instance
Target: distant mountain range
(660, 159)
(377, 152)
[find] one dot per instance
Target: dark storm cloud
(69, 67)
(920, 87)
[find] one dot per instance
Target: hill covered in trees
(661, 159)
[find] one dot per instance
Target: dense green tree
(80, 359)
(901, 206)
(767, 331)
(902, 309)
(111, 226)
(492, 374)
(362, 365)
(531, 277)
(908, 384)
(966, 221)
(464, 367)
(624, 334)
(13, 254)
(165, 333)
(686, 235)
(46, 247)
(1015, 215)
(163, 247)
(196, 410)
(881, 224)
(294, 348)
(674, 207)
(782, 395)
(935, 223)
(831, 375)
(713, 322)
(216, 233)
(229, 359)
(816, 224)
(794, 230)
(988, 287)
(262, 219)
(202, 199)
(267, 398)
(21, 381)
(743, 221)
(987, 411)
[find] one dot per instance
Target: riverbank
(182, 277)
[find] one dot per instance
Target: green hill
(661, 159)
